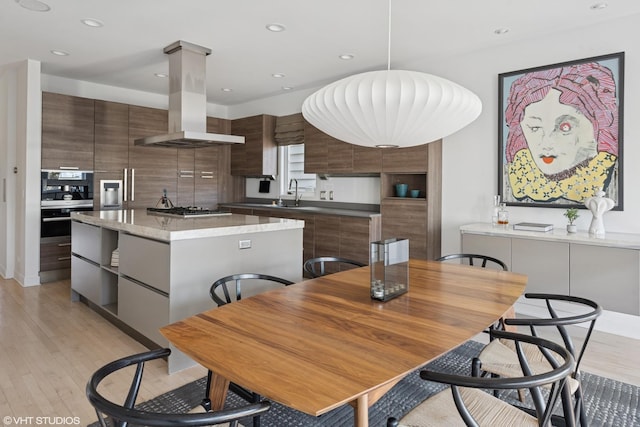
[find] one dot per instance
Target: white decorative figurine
(598, 205)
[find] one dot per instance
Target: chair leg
(206, 402)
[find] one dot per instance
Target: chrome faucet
(296, 195)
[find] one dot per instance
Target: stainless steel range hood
(188, 101)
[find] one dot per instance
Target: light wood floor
(50, 346)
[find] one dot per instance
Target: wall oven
(62, 192)
(55, 221)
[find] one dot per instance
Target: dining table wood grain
(322, 343)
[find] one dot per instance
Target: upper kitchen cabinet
(111, 145)
(204, 171)
(410, 159)
(67, 132)
(111, 136)
(258, 156)
(151, 169)
(324, 154)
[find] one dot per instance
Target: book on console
(532, 226)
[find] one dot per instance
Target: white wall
(470, 157)
(20, 141)
(345, 190)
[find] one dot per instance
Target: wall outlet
(244, 244)
(323, 195)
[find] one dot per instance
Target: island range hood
(188, 101)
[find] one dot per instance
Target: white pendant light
(391, 108)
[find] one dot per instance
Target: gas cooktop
(186, 212)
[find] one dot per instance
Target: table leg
(218, 391)
(361, 411)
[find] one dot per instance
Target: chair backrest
(317, 267)
(255, 279)
(561, 365)
(589, 313)
(125, 413)
(483, 261)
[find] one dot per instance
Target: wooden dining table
(322, 343)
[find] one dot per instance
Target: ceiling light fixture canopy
(391, 108)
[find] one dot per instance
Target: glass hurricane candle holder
(389, 266)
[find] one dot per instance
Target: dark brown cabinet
(67, 132)
(258, 156)
(152, 169)
(324, 154)
(111, 144)
(417, 219)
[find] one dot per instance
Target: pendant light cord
(389, 39)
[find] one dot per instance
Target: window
(291, 163)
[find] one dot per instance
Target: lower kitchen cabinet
(55, 253)
(131, 297)
(606, 271)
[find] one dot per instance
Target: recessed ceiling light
(59, 52)
(286, 88)
(90, 22)
(34, 5)
(599, 6)
(276, 28)
(346, 56)
(161, 75)
(226, 89)
(277, 75)
(500, 31)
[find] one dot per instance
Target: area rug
(608, 402)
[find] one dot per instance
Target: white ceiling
(127, 51)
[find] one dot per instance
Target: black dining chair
(469, 399)
(317, 267)
(498, 357)
(477, 260)
(122, 414)
(221, 292)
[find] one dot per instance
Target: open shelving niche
(109, 273)
(415, 181)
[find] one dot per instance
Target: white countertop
(619, 240)
(140, 223)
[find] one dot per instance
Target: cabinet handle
(64, 258)
(186, 174)
(64, 244)
(57, 219)
(4, 189)
(72, 168)
(124, 196)
(206, 177)
(133, 184)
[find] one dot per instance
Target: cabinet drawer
(85, 241)
(609, 276)
(145, 260)
(85, 279)
(55, 255)
(143, 309)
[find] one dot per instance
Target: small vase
(572, 228)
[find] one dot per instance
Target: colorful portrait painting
(560, 133)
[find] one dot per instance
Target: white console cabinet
(606, 270)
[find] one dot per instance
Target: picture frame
(560, 132)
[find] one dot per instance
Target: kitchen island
(144, 271)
